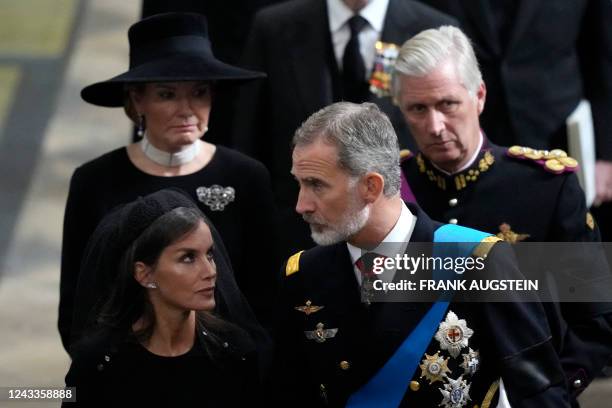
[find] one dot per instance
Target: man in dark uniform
(459, 176)
(539, 59)
(316, 52)
(334, 349)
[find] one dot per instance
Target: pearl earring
(140, 130)
(151, 285)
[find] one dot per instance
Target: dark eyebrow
(165, 86)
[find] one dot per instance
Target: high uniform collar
(469, 163)
(482, 161)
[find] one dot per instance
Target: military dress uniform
(521, 195)
(517, 196)
(330, 343)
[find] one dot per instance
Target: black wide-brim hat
(167, 47)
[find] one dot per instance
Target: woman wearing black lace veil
(167, 323)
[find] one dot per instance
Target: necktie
(353, 68)
(365, 264)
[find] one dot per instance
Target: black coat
(558, 52)
(539, 206)
(110, 370)
(291, 43)
(311, 373)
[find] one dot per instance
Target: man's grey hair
(364, 137)
(424, 52)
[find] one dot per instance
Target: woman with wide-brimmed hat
(168, 93)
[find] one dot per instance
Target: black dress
(128, 374)
(246, 224)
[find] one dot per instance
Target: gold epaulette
(554, 161)
(405, 154)
(482, 249)
(293, 264)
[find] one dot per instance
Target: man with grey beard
(316, 52)
(336, 346)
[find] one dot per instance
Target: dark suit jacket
(512, 338)
(291, 42)
(559, 52)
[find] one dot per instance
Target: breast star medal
(453, 334)
(455, 393)
(434, 368)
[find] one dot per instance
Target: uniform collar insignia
(216, 197)
(308, 308)
(506, 233)
(461, 180)
(320, 334)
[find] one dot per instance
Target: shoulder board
(405, 154)
(554, 161)
(482, 249)
(293, 264)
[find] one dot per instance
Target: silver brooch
(216, 197)
(320, 335)
(471, 362)
(453, 334)
(455, 393)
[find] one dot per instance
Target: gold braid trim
(482, 249)
(486, 402)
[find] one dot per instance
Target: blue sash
(387, 388)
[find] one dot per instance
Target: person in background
(539, 59)
(336, 348)
(316, 52)
(156, 339)
(168, 92)
(523, 195)
(229, 22)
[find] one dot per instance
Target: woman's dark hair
(128, 301)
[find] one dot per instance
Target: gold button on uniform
(344, 365)
(414, 385)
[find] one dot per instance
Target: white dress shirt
(393, 244)
(339, 14)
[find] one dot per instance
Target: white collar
(374, 12)
(182, 157)
(396, 240)
(469, 163)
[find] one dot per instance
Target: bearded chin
(345, 229)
